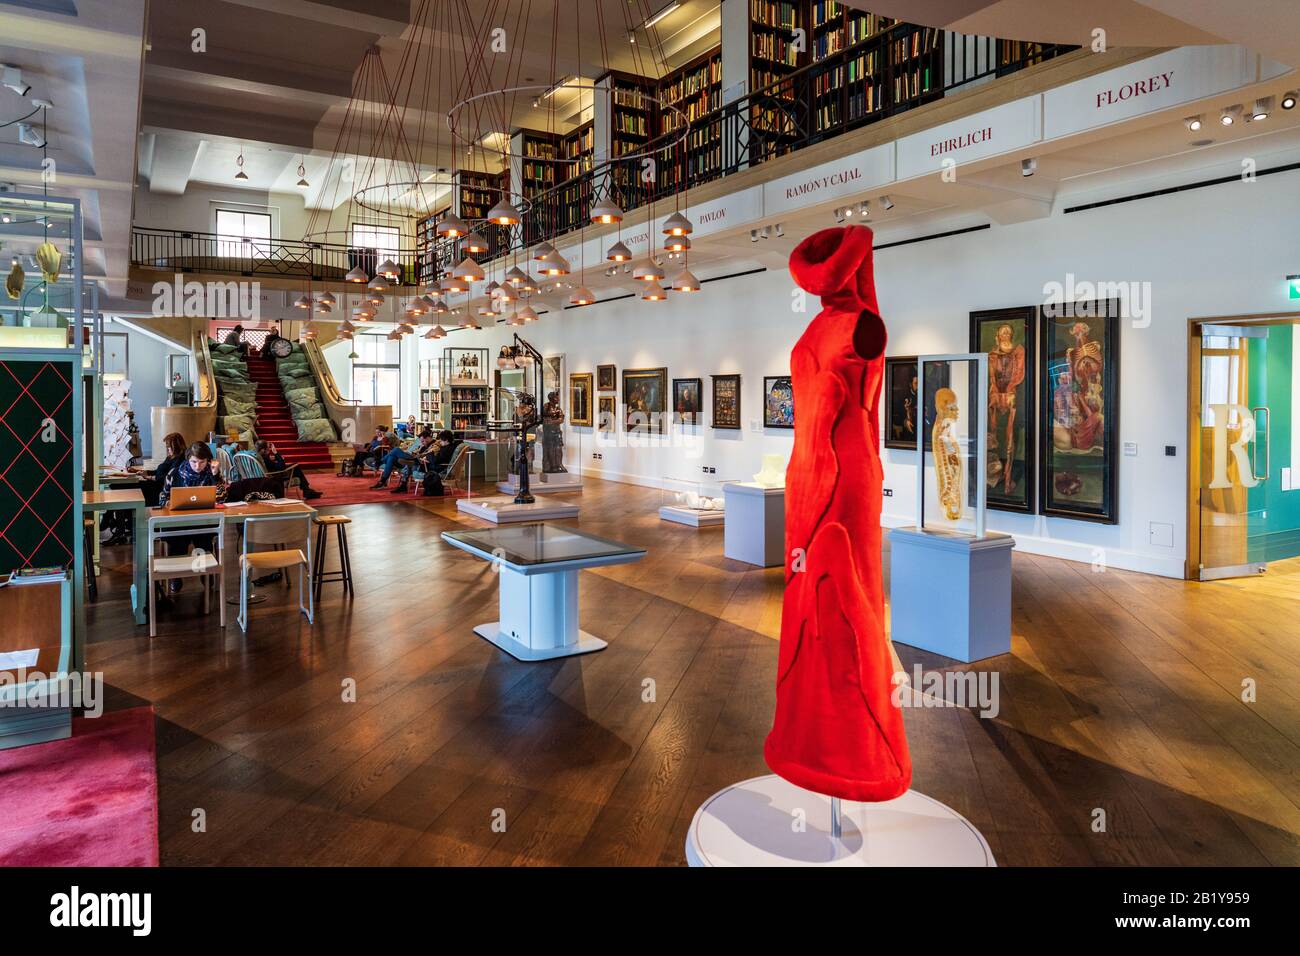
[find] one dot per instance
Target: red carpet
(90, 800)
(275, 423)
(355, 491)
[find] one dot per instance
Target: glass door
(1249, 502)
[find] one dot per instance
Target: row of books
(920, 41)
(634, 125)
(774, 13)
(775, 48)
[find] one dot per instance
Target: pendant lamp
(451, 226)
(647, 271)
(677, 225)
(618, 252)
(606, 212)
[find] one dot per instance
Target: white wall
(148, 372)
(1222, 250)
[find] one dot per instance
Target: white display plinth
(692, 516)
(554, 483)
(755, 530)
(950, 593)
(768, 821)
(502, 509)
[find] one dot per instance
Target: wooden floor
(1123, 693)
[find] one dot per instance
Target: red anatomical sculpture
(836, 730)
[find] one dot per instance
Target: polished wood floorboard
(1122, 700)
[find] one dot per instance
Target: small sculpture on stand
(947, 452)
(526, 417)
(552, 436)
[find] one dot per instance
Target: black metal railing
(820, 101)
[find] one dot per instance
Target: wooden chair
(458, 468)
(199, 564)
(283, 530)
(228, 468)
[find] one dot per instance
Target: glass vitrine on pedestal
(699, 503)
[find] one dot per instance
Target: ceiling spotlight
(780, 230)
(503, 213)
(677, 225)
(839, 214)
(240, 174)
(12, 77)
(1263, 106)
(864, 208)
(1229, 115)
(451, 227)
(647, 271)
(1193, 123)
(1028, 166)
(606, 212)
(28, 134)
(887, 203)
(302, 177)
(1288, 99)
(684, 281)
(618, 252)
(753, 235)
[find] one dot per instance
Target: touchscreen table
(538, 566)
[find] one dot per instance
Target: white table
(539, 565)
(755, 527)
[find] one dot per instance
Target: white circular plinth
(759, 823)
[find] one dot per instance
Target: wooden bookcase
(631, 126)
(773, 56)
(476, 194)
(696, 90)
(426, 247)
(539, 171)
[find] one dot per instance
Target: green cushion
(232, 405)
(240, 423)
(301, 397)
(315, 429)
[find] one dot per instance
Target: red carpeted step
(275, 421)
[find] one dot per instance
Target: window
(385, 240)
(377, 371)
(243, 234)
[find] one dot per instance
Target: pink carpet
(355, 491)
(90, 800)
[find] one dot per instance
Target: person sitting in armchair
(405, 458)
(273, 461)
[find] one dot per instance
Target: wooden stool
(344, 573)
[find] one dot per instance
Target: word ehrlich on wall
(215, 300)
(1070, 299)
(133, 910)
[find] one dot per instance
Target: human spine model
(947, 452)
(837, 729)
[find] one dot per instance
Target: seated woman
(374, 449)
(406, 459)
(272, 461)
(198, 468)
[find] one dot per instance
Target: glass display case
(697, 502)
(464, 399)
(555, 456)
(45, 298)
(952, 485)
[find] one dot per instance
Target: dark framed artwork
(687, 401)
(606, 378)
(607, 415)
(1009, 338)
(580, 398)
(778, 401)
(1078, 453)
(726, 401)
(645, 399)
(902, 402)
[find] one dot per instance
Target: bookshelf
(430, 393)
(577, 149)
(465, 392)
(773, 56)
(696, 90)
(476, 194)
(426, 247)
(539, 171)
(578, 153)
(632, 101)
(851, 90)
(915, 65)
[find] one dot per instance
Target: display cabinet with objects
(430, 393)
(464, 385)
(696, 502)
(950, 577)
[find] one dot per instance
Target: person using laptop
(198, 470)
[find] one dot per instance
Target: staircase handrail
(362, 418)
(205, 380)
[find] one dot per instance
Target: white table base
(539, 617)
(692, 517)
(555, 483)
(768, 821)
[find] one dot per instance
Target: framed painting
(645, 399)
(552, 379)
(580, 393)
(607, 417)
(606, 378)
(1009, 338)
(726, 401)
(902, 402)
(778, 401)
(1079, 419)
(687, 401)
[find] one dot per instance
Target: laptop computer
(193, 499)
